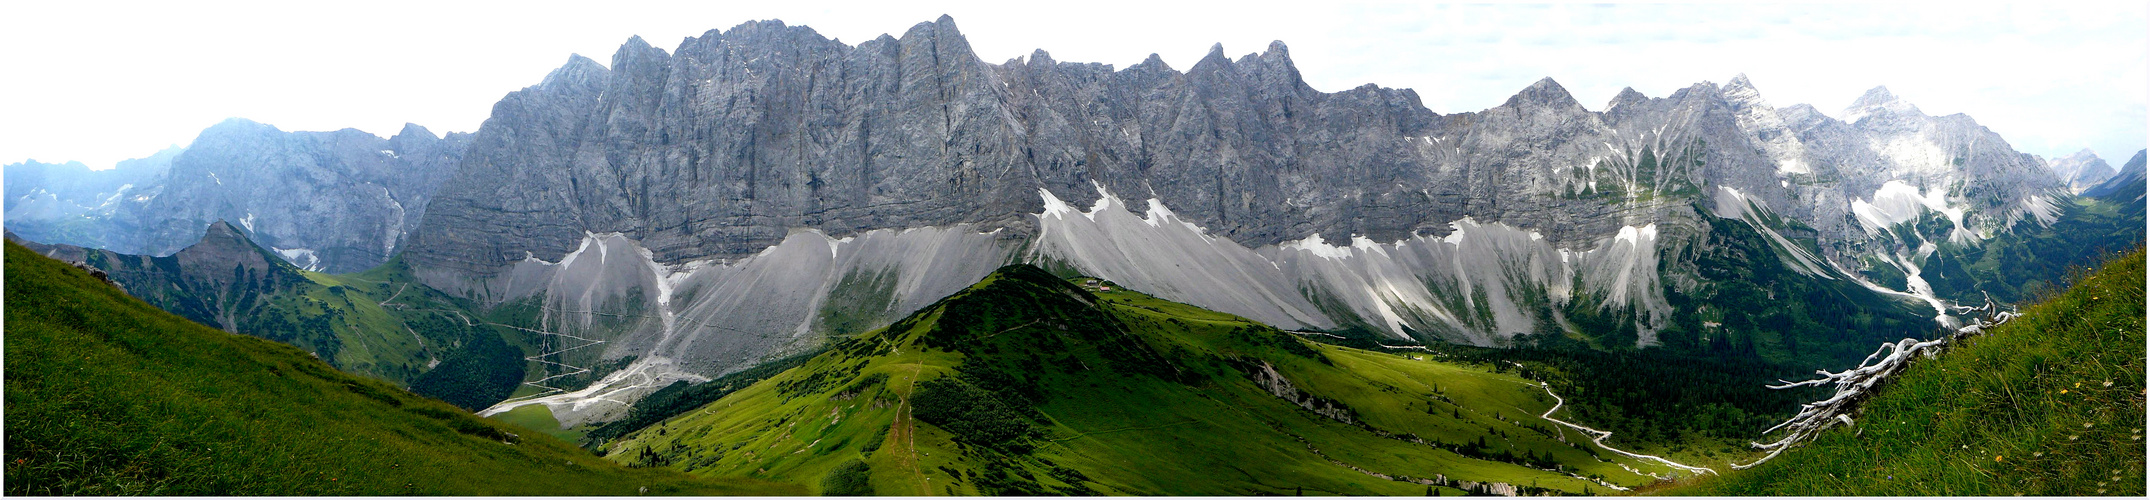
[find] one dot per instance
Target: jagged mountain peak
(2127, 185)
(1878, 101)
(411, 131)
(1212, 61)
(224, 247)
(1627, 96)
(1544, 92)
(1274, 67)
(947, 41)
(1878, 95)
(1152, 63)
(1742, 94)
(578, 70)
(1277, 49)
(221, 230)
(944, 25)
(224, 239)
(237, 124)
(1738, 80)
(2081, 170)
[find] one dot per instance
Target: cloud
(103, 83)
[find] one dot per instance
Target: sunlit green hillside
(2050, 404)
(107, 395)
(1029, 384)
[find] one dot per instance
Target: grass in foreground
(107, 395)
(2050, 404)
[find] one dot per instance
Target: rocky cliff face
(723, 146)
(722, 165)
(334, 201)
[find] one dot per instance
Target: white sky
(101, 82)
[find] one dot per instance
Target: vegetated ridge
(378, 323)
(107, 395)
(2050, 404)
(1030, 384)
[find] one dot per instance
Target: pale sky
(100, 82)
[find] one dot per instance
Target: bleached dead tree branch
(1854, 385)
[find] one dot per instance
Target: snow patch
(2041, 208)
(1313, 244)
(302, 257)
(1730, 203)
(1053, 206)
(1897, 202)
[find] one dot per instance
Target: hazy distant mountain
(71, 203)
(2081, 170)
(342, 201)
(334, 201)
(2128, 181)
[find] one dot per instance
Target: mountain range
(764, 191)
(339, 201)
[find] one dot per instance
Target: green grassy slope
(108, 395)
(2019, 264)
(2050, 404)
(379, 323)
(1027, 384)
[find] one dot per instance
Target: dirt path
(1010, 329)
(908, 429)
(1601, 435)
(399, 293)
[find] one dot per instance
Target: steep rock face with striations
(723, 147)
(646, 201)
(339, 201)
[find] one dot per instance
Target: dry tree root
(1854, 385)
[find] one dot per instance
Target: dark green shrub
(848, 480)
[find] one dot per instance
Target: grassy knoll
(2049, 404)
(1026, 384)
(107, 395)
